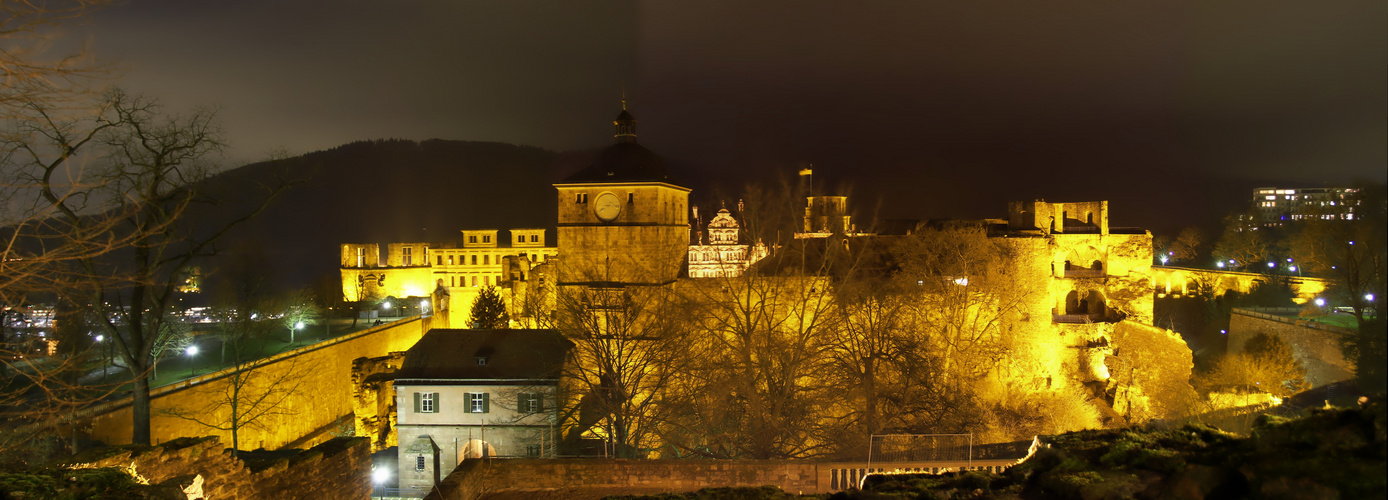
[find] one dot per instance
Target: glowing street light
(379, 476)
(1369, 297)
(1163, 260)
(1220, 264)
(1320, 302)
(299, 325)
(191, 351)
(1272, 265)
(100, 338)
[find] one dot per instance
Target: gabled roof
(451, 354)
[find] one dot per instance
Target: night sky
(928, 109)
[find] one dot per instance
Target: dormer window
(481, 361)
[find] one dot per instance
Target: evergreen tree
(488, 310)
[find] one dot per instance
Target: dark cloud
(952, 105)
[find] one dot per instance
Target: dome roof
(623, 162)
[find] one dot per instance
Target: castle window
(486, 239)
(405, 256)
(474, 281)
(487, 280)
(419, 463)
(532, 450)
(486, 260)
(520, 239)
(581, 198)
(534, 238)
(453, 280)
(631, 197)
(474, 260)
(440, 260)
(450, 260)
(426, 402)
(472, 239)
(481, 361)
(361, 257)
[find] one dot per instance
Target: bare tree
(629, 345)
(123, 231)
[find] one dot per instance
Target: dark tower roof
(625, 161)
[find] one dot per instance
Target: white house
(464, 394)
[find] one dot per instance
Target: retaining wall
(1316, 346)
(322, 378)
(475, 478)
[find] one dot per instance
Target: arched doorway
(1072, 303)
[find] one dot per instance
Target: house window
(405, 256)
(427, 402)
(529, 402)
(477, 402)
(361, 257)
(419, 463)
(532, 450)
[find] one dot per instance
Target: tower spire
(625, 124)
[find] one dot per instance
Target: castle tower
(622, 220)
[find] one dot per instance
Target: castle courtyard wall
(323, 372)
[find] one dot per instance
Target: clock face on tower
(607, 207)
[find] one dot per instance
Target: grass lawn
(1342, 320)
(176, 367)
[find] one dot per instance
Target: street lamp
(1163, 260)
(192, 352)
(1320, 302)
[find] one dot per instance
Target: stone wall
(323, 394)
(594, 478)
(1178, 281)
(475, 477)
(373, 398)
(339, 468)
(1315, 346)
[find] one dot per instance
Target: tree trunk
(139, 409)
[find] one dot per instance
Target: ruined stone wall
(323, 395)
(373, 401)
(340, 468)
(1315, 346)
(1149, 372)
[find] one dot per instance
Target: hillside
(383, 191)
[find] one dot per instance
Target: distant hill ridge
(384, 191)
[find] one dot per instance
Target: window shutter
(539, 401)
(467, 403)
(486, 406)
(416, 402)
(521, 402)
(436, 403)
